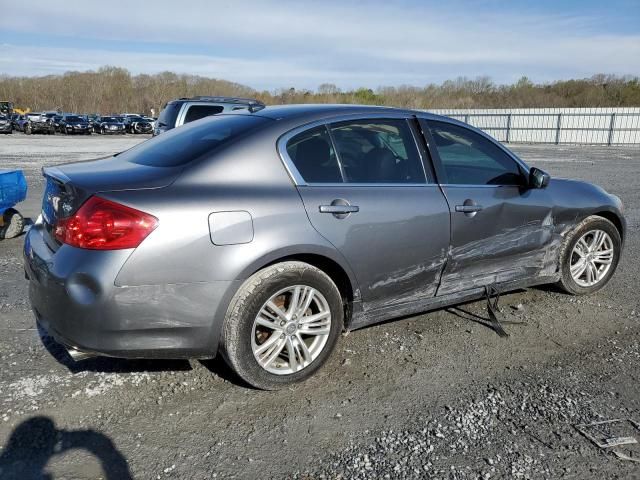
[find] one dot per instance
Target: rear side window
(470, 159)
(377, 151)
(196, 112)
(312, 153)
(181, 145)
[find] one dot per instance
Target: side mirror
(538, 178)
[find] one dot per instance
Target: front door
(365, 190)
(501, 230)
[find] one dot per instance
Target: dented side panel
(514, 236)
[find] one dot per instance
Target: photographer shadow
(34, 442)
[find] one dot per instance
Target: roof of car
(281, 112)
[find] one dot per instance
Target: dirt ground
(432, 396)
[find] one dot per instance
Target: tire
(239, 337)
(27, 129)
(13, 224)
(568, 254)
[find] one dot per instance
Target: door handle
(468, 208)
(339, 209)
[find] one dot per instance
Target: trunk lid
(69, 186)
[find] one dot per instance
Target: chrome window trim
(281, 146)
(476, 185)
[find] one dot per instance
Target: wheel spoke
(268, 323)
(595, 240)
(291, 351)
(578, 268)
(293, 303)
(313, 319)
(581, 247)
(268, 343)
(277, 310)
(321, 330)
(274, 352)
(590, 273)
(306, 303)
(601, 240)
(306, 354)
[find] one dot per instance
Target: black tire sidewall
(592, 223)
(240, 354)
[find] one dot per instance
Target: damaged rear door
(364, 188)
(501, 230)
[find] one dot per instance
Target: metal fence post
(508, 127)
(466, 118)
(558, 125)
(611, 124)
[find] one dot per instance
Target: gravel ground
(432, 396)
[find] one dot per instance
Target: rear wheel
(589, 256)
(282, 325)
(13, 224)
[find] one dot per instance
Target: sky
(274, 44)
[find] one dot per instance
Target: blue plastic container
(13, 188)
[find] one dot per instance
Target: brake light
(101, 224)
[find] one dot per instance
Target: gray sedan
(262, 236)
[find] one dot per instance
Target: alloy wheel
(591, 258)
(291, 330)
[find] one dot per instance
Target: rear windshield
(168, 115)
(182, 145)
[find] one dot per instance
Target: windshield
(73, 118)
(182, 145)
(109, 119)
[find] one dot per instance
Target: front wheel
(589, 256)
(282, 325)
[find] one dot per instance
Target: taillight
(101, 224)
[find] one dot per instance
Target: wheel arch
(337, 270)
(615, 219)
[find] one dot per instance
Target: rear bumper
(73, 295)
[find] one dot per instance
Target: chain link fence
(594, 126)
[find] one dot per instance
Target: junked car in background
(5, 124)
(262, 235)
(108, 125)
(74, 124)
(38, 123)
(184, 110)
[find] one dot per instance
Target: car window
(197, 112)
(471, 159)
(73, 119)
(182, 145)
(312, 153)
(377, 151)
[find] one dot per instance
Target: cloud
(268, 44)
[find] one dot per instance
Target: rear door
(500, 228)
(365, 190)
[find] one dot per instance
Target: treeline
(112, 89)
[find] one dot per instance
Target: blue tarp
(13, 188)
